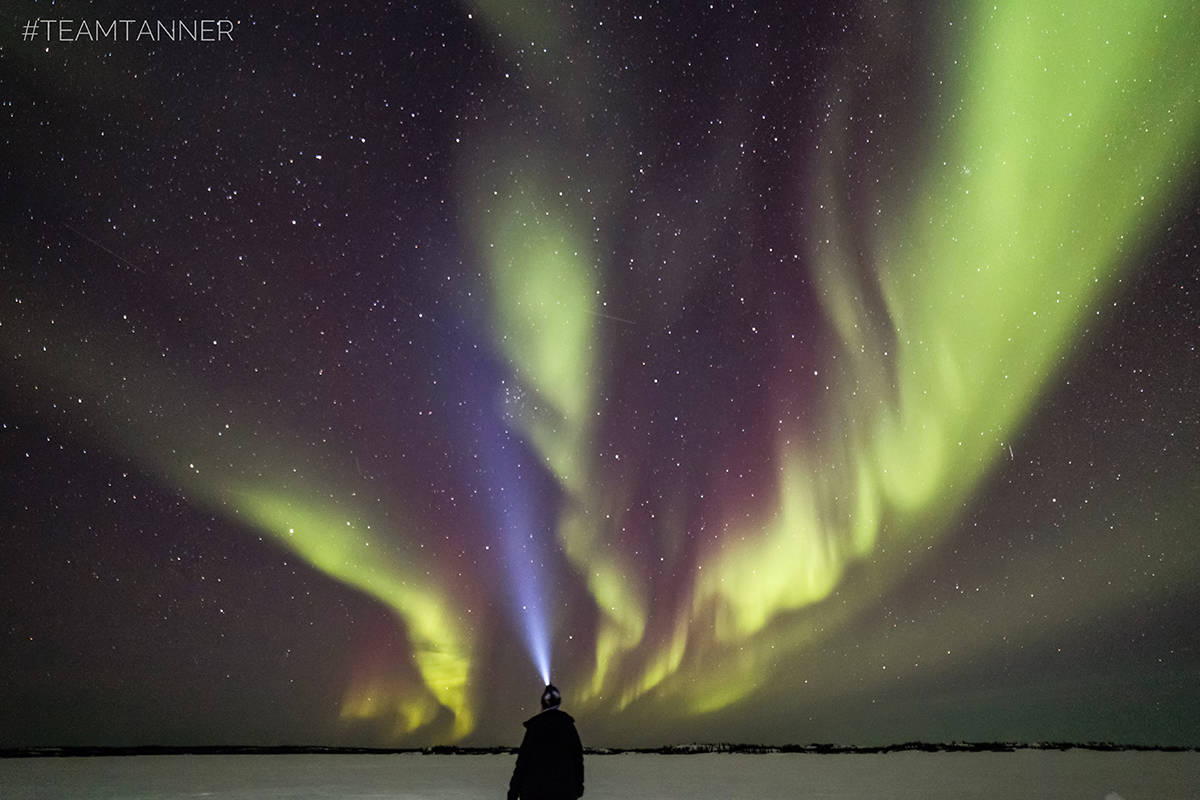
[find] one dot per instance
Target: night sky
(799, 373)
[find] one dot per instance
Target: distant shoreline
(686, 749)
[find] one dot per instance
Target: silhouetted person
(550, 764)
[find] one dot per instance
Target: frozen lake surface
(1022, 774)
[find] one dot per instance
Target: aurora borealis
(795, 374)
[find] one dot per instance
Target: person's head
(551, 697)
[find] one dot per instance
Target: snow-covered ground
(1024, 774)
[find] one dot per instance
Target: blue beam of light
(525, 568)
(508, 474)
(524, 562)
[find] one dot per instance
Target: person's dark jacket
(550, 764)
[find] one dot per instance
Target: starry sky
(766, 372)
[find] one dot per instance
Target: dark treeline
(683, 749)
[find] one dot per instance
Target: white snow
(1080, 774)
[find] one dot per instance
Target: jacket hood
(550, 716)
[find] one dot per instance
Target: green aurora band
(1069, 131)
(1073, 129)
(290, 493)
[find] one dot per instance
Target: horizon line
(698, 748)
